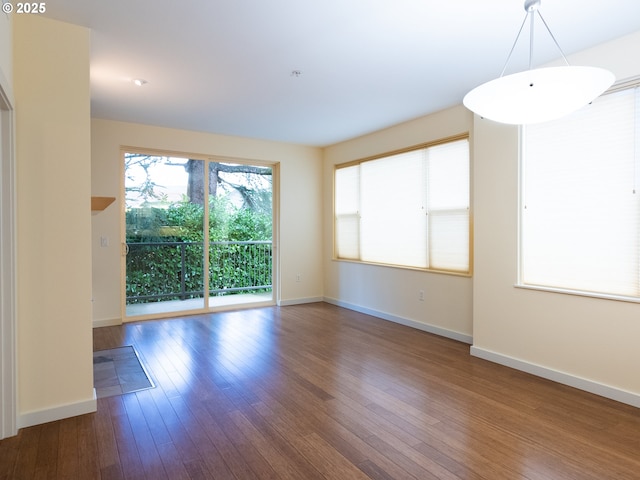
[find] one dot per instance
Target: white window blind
(408, 209)
(347, 207)
(580, 223)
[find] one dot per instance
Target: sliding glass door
(198, 234)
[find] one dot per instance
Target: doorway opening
(199, 233)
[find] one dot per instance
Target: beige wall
(389, 292)
(300, 202)
(51, 82)
(586, 342)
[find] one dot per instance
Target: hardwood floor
(318, 392)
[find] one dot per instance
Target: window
(406, 209)
(580, 204)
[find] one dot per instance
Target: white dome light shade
(538, 95)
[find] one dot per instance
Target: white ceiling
(225, 66)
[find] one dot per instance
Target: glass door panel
(241, 234)
(164, 218)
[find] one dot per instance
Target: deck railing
(159, 271)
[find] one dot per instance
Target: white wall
(300, 202)
(389, 292)
(51, 82)
(586, 342)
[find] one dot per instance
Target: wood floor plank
(8, 455)
(346, 441)
(146, 447)
(258, 466)
(155, 423)
(128, 455)
(173, 464)
(331, 463)
(105, 437)
(180, 436)
(111, 472)
(317, 392)
(88, 447)
(233, 459)
(286, 469)
(275, 432)
(411, 461)
(205, 435)
(48, 445)
(28, 440)
(373, 471)
(68, 459)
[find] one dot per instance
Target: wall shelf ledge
(98, 204)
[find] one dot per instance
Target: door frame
(8, 321)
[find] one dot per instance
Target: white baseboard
(299, 301)
(590, 386)
(426, 327)
(107, 322)
(38, 417)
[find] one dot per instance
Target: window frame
(442, 141)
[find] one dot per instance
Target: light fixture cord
(531, 32)
(514, 45)
(532, 21)
(552, 37)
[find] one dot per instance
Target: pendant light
(537, 95)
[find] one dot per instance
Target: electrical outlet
(421, 295)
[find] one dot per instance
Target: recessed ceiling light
(139, 82)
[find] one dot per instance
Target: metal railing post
(183, 264)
